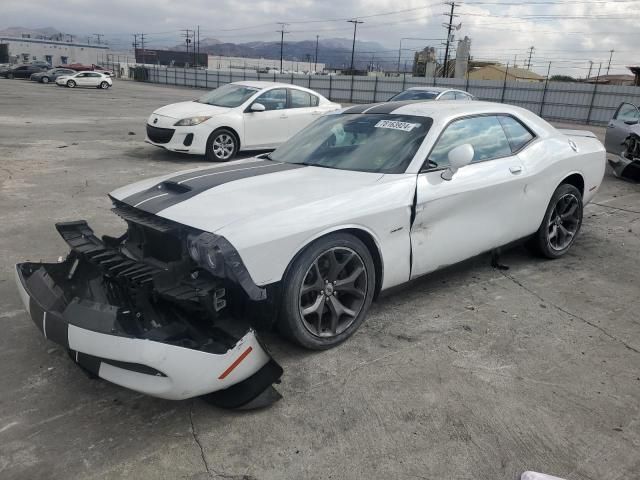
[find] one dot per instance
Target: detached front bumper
(71, 304)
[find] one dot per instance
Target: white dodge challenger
(305, 238)
(238, 116)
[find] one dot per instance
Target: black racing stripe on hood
(390, 107)
(187, 185)
(359, 108)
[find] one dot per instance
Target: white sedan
(237, 116)
(305, 237)
(85, 79)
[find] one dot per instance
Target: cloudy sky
(568, 33)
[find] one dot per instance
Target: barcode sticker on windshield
(394, 125)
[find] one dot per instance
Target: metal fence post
(351, 90)
(404, 80)
(544, 91)
(330, 84)
(184, 76)
(206, 78)
(217, 78)
(504, 84)
(291, 78)
(375, 89)
(593, 95)
(309, 86)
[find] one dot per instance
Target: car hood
(189, 109)
(211, 198)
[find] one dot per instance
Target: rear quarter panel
(548, 161)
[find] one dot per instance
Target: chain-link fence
(558, 101)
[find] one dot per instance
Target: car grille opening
(159, 135)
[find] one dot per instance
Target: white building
(23, 50)
(218, 62)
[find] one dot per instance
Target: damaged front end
(138, 311)
(627, 164)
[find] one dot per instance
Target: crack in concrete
(578, 317)
(615, 208)
(194, 434)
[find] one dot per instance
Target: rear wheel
(104, 85)
(45, 80)
(222, 146)
(327, 292)
(9, 75)
(561, 223)
(71, 84)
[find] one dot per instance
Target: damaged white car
(303, 238)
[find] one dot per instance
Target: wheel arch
(231, 129)
(576, 179)
(361, 233)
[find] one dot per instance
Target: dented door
(481, 208)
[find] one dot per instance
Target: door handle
(516, 169)
(316, 112)
(283, 116)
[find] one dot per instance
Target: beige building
(497, 72)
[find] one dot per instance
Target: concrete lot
(470, 373)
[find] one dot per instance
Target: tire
(218, 146)
(71, 84)
(9, 76)
(104, 85)
(561, 223)
(44, 79)
(326, 292)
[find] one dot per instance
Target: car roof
(431, 89)
(262, 84)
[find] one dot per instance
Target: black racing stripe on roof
(390, 107)
(360, 108)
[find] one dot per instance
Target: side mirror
(631, 122)
(459, 157)
(257, 107)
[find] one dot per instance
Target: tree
(562, 78)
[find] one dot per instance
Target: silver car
(622, 142)
(432, 93)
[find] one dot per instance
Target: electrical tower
(531, 49)
(353, 46)
(99, 37)
(610, 57)
(282, 32)
(449, 27)
(144, 57)
(315, 66)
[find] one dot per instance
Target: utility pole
(610, 57)
(449, 27)
(282, 32)
(135, 46)
(531, 49)
(315, 66)
(187, 41)
(198, 44)
(99, 37)
(355, 22)
(144, 57)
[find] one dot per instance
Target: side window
(299, 99)
(274, 99)
(462, 96)
(517, 133)
(485, 134)
(448, 96)
(80, 75)
(627, 112)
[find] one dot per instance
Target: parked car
(432, 93)
(40, 63)
(622, 141)
(85, 79)
(358, 202)
(79, 67)
(237, 116)
(21, 71)
(51, 75)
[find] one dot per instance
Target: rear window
(517, 133)
(414, 95)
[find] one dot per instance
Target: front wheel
(561, 223)
(9, 76)
(71, 84)
(327, 292)
(222, 146)
(104, 85)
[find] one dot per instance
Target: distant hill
(335, 52)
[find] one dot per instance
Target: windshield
(415, 95)
(379, 143)
(228, 95)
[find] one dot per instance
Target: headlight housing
(189, 122)
(203, 250)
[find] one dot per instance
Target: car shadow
(149, 152)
